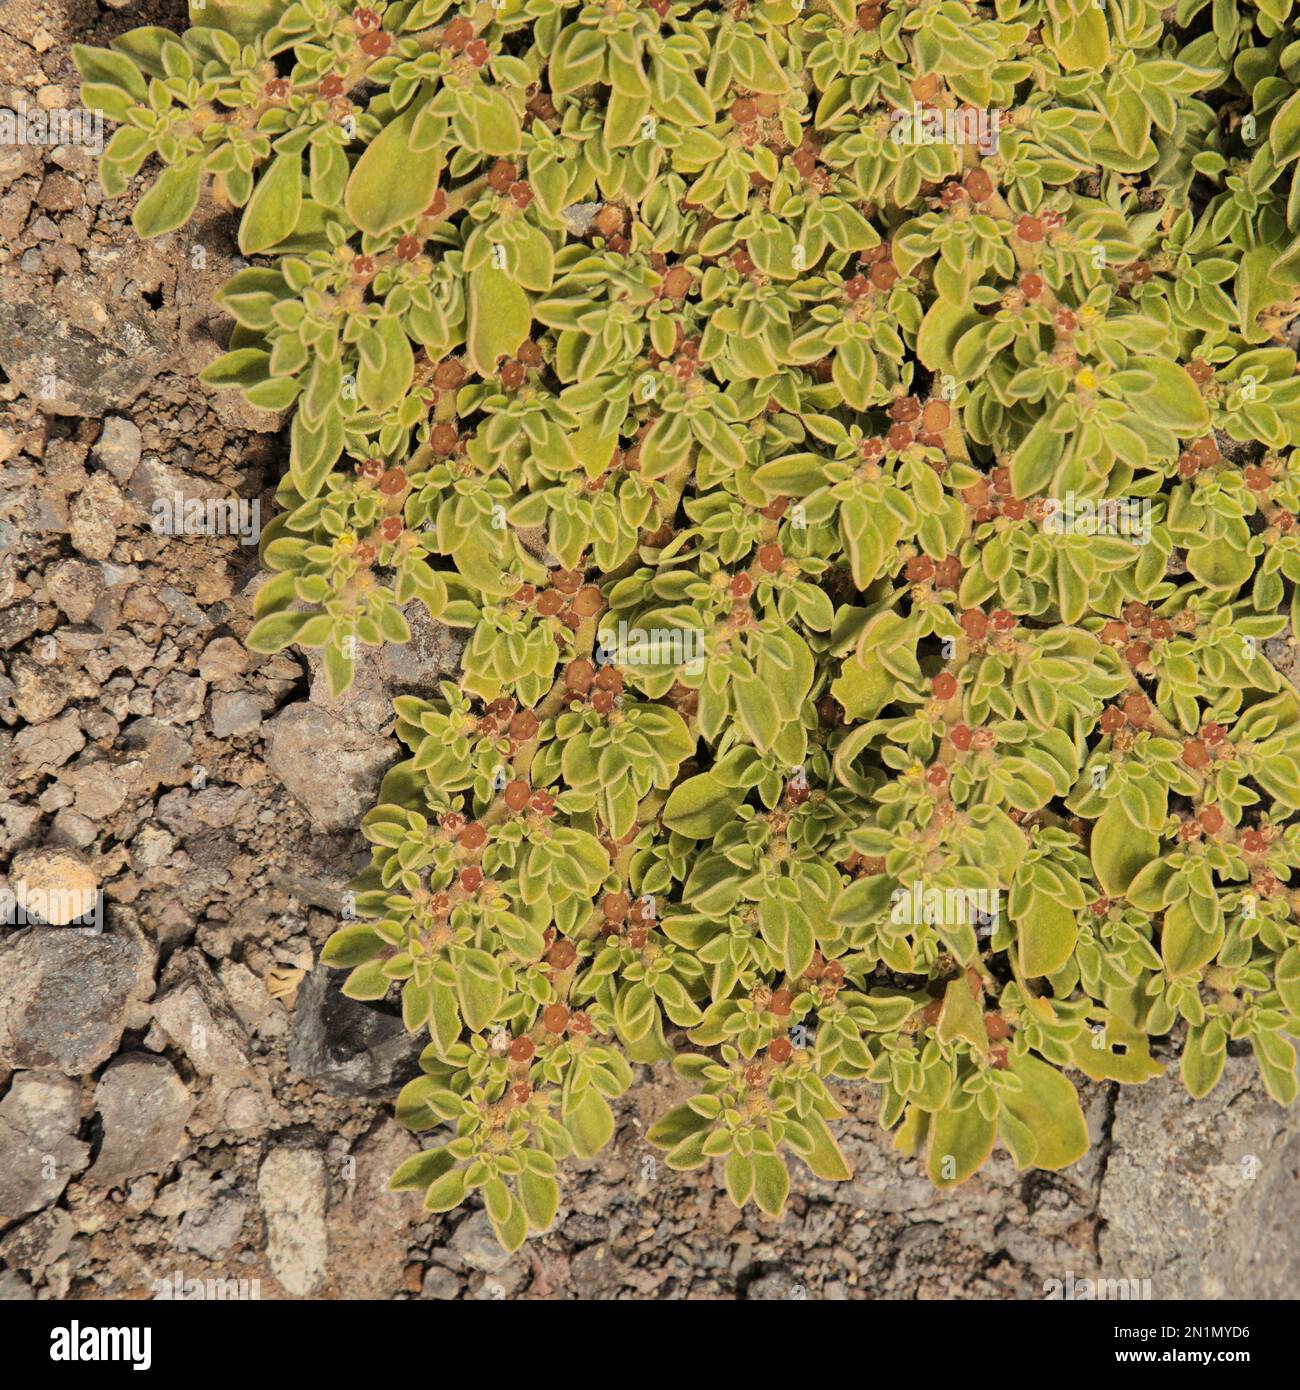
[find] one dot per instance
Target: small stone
(195, 1013)
(18, 825)
(38, 1242)
(101, 787)
(179, 698)
(14, 1288)
(39, 1151)
(59, 193)
(72, 828)
(144, 1107)
(56, 886)
(224, 659)
(96, 511)
(211, 1228)
(440, 1283)
(244, 1110)
(476, 1244)
(234, 714)
(118, 447)
(251, 1000)
(65, 995)
(330, 768)
(76, 586)
(347, 1046)
(291, 1192)
(64, 350)
(152, 847)
(163, 752)
(48, 746)
(417, 667)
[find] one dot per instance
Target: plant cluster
(750, 443)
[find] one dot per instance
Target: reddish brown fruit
(443, 439)
(770, 557)
(1112, 720)
(579, 674)
(1137, 710)
(473, 837)
(1195, 754)
(448, 375)
(944, 685)
(937, 416)
(884, 275)
(562, 954)
(457, 34)
(978, 184)
(524, 726)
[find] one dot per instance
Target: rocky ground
(182, 1095)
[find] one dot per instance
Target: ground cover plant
(860, 446)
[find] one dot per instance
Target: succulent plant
(862, 444)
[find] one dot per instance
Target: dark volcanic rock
(347, 1047)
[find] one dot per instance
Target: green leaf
(960, 1142)
(1047, 933)
(171, 200)
(700, 806)
(273, 210)
(591, 1123)
(499, 318)
(771, 1183)
(1185, 944)
(786, 929)
(392, 182)
(1119, 850)
(478, 983)
(1047, 1106)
